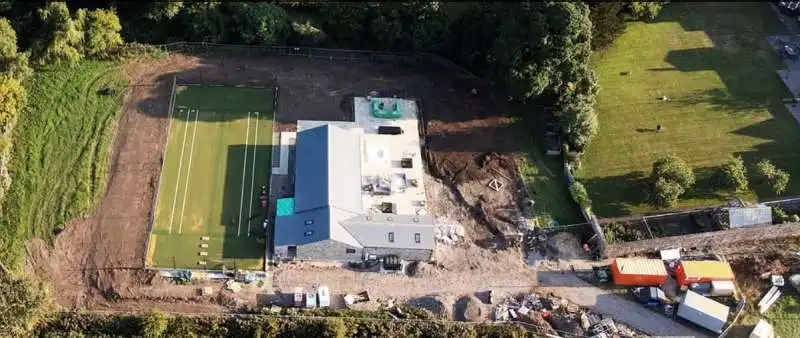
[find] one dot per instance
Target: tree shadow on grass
(616, 195)
(707, 185)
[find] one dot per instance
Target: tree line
(529, 51)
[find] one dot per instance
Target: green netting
(285, 207)
(384, 111)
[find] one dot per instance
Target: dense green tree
(257, 23)
(734, 174)
(25, 302)
(674, 169)
(12, 62)
(646, 9)
(665, 193)
(8, 40)
(101, 31)
(204, 21)
(161, 10)
(671, 177)
(767, 173)
(608, 22)
(409, 27)
(59, 38)
(346, 25)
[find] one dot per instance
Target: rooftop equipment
(390, 130)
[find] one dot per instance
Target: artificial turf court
(217, 158)
(713, 63)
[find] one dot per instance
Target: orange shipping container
(638, 272)
(689, 272)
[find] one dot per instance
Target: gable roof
(327, 160)
(328, 204)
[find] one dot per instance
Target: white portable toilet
(311, 300)
(324, 296)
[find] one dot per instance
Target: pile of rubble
(557, 316)
(449, 233)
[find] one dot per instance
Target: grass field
(713, 63)
(785, 314)
(217, 159)
(61, 151)
(546, 183)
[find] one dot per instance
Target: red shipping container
(638, 272)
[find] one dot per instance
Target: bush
(305, 34)
(671, 178)
(580, 195)
(665, 193)
(155, 324)
(779, 216)
(767, 173)
(621, 232)
(673, 169)
(734, 174)
(25, 302)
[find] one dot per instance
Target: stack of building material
(770, 298)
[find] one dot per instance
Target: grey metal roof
(373, 231)
(313, 226)
(328, 199)
(292, 230)
(327, 162)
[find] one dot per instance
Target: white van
(324, 296)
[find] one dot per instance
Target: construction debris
(770, 298)
(206, 291)
(234, 286)
(449, 233)
(556, 314)
(361, 297)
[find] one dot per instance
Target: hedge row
(72, 324)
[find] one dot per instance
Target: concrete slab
(381, 156)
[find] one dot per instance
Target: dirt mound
(468, 308)
(565, 246)
(463, 167)
(752, 271)
(435, 304)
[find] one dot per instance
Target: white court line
(253, 176)
(188, 170)
(244, 173)
(180, 166)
